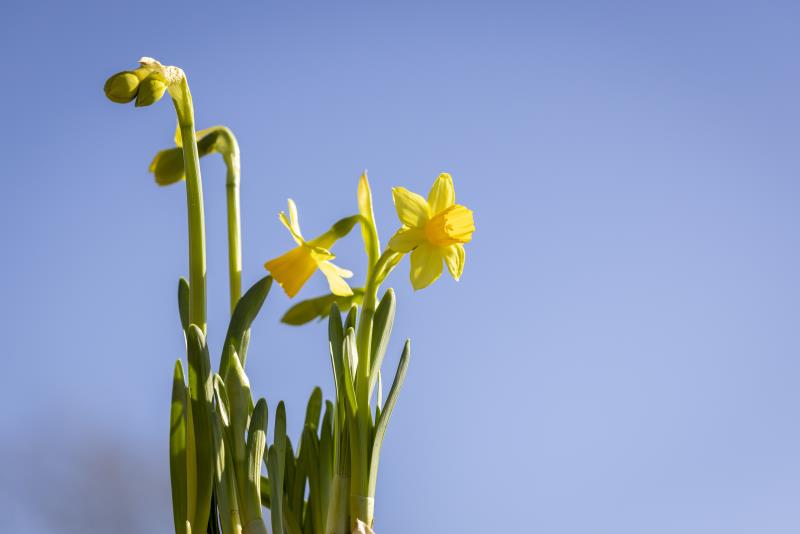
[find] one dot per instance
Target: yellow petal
(442, 195)
(406, 239)
(291, 223)
(454, 257)
(293, 216)
(426, 265)
(336, 276)
(411, 208)
(293, 269)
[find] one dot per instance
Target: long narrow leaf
(314, 409)
(351, 362)
(266, 491)
(201, 395)
(275, 466)
(311, 452)
(183, 303)
(225, 477)
(246, 310)
(383, 422)
(256, 442)
(177, 448)
(381, 332)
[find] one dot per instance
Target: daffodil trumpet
(293, 269)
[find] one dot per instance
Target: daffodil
(434, 231)
(293, 269)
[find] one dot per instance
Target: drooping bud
(151, 89)
(167, 166)
(122, 87)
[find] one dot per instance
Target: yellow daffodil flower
(293, 269)
(433, 231)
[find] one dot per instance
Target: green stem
(182, 99)
(376, 275)
(234, 229)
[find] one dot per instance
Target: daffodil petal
(287, 223)
(293, 269)
(406, 239)
(426, 265)
(411, 208)
(293, 219)
(442, 194)
(335, 275)
(454, 257)
(341, 271)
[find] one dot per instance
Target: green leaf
(276, 490)
(381, 332)
(320, 307)
(256, 441)
(335, 339)
(311, 452)
(350, 320)
(351, 363)
(223, 405)
(383, 422)
(201, 398)
(225, 479)
(326, 451)
(177, 448)
(275, 466)
(246, 310)
(290, 521)
(314, 409)
(241, 405)
(294, 477)
(265, 491)
(183, 303)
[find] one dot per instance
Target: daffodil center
(450, 226)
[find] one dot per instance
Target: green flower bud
(151, 89)
(167, 166)
(122, 87)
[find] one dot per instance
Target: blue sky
(621, 355)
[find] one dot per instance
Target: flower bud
(167, 166)
(122, 87)
(151, 89)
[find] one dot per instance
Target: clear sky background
(622, 354)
